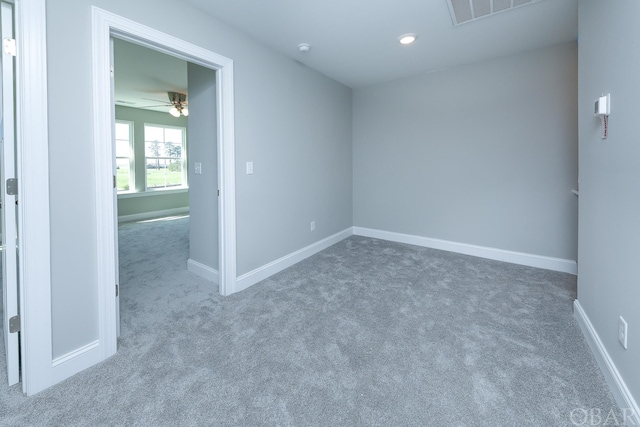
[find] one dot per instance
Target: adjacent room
(151, 143)
(328, 214)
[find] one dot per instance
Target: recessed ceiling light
(408, 38)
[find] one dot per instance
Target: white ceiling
(354, 41)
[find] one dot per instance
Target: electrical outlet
(622, 332)
(313, 225)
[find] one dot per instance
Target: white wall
(292, 122)
(609, 229)
(484, 154)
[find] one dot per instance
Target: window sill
(152, 193)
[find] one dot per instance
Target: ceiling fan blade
(154, 106)
(157, 100)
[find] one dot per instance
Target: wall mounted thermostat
(603, 106)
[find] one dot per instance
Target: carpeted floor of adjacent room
(366, 332)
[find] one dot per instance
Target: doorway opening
(106, 27)
(166, 175)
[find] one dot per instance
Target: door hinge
(12, 186)
(116, 289)
(14, 324)
(9, 46)
(114, 181)
(218, 193)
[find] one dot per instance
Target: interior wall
(609, 230)
(203, 221)
(291, 121)
(484, 154)
(133, 204)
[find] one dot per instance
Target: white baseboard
(261, 273)
(153, 214)
(75, 361)
(203, 271)
(548, 263)
(618, 387)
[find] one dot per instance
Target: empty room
(408, 213)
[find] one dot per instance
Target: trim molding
(81, 358)
(34, 263)
(616, 383)
(538, 261)
(9, 222)
(151, 193)
(75, 353)
(153, 214)
(261, 273)
(105, 206)
(204, 271)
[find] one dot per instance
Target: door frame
(105, 26)
(9, 219)
(32, 171)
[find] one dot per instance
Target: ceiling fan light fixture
(179, 104)
(177, 97)
(406, 39)
(174, 112)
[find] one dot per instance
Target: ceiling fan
(177, 102)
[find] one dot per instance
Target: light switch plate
(622, 332)
(249, 168)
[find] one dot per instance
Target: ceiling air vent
(463, 11)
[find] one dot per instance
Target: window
(124, 156)
(165, 157)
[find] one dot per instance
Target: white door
(9, 218)
(115, 189)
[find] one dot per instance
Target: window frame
(183, 159)
(132, 156)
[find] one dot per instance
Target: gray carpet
(367, 332)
